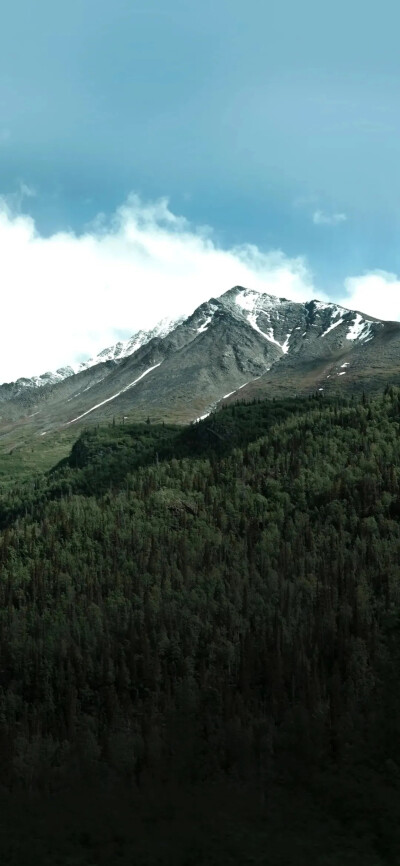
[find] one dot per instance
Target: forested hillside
(212, 608)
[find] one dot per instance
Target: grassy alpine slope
(202, 625)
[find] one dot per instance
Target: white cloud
(323, 219)
(67, 296)
(376, 293)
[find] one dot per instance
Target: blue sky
(276, 124)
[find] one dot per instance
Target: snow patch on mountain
(204, 326)
(131, 384)
(283, 346)
(255, 302)
(360, 329)
(252, 320)
(331, 327)
(269, 335)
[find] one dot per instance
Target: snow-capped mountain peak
(225, 346)
(273, 317)
(123, 349)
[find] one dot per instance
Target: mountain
(242, 345)
(128, 347)
(120, 350)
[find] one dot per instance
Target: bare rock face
(239, 346)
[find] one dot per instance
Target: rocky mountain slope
(239, 346)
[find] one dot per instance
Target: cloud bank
(376, 293)
(66, 297)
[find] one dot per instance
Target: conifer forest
(200, 642)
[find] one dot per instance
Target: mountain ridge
(241, 345)
(125, 348)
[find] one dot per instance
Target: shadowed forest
(200, 642)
